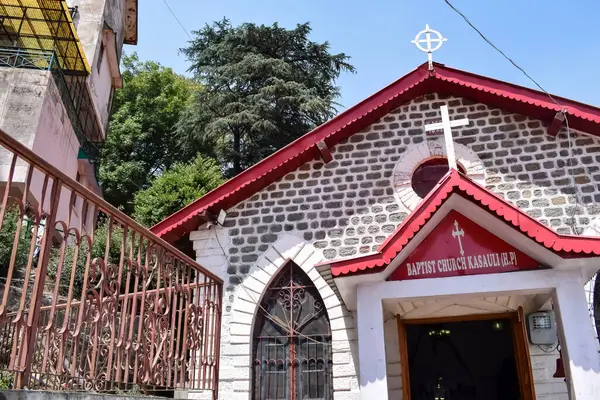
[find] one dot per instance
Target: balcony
(39, 34)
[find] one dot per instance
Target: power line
(177, 19)
(562, 110)
(501, 52)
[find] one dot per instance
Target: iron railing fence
(26, 58)
(89, 299)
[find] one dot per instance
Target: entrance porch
(464, 255)
(447, 299)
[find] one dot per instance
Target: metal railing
(26, 58)
(91, 300)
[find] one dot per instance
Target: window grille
(292, 341)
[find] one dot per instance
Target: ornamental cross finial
(438, 40)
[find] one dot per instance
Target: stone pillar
(210, 244)
(578, 341)
(371, 346)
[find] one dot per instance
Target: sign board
(458, 246)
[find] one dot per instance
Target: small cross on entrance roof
(447, 126)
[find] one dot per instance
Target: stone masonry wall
(349, 206)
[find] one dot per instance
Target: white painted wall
(93, 14)
(101, 85)
(575, 329)
(32, 111)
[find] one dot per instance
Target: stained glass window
(292, 341)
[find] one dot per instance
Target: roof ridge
(442, 80)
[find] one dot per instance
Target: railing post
(51, 61)
(217, 343)
(33, 316)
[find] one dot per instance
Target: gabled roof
(565, 246)
(421, 81)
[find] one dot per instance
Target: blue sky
(557, 42)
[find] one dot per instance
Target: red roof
(454, 182)
(442, 80)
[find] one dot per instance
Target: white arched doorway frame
(237, 341)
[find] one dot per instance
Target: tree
(7, 239)
(176, 188)
(141, 140)
(262, 87)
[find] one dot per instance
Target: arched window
(292, 341)
(429, 173)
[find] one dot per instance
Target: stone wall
(349, 206)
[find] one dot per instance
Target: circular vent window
(428, 174)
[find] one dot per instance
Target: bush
(175, 189)
(7, 237)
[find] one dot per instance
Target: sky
(556, 42)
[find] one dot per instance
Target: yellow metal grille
(43, 25)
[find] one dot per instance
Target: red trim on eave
(303, 149)
(563, 245)
(444, 80)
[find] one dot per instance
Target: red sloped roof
(442, 80)
(455, 182)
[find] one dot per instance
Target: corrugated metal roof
(43, 25)
(565, 246)
(421, 81)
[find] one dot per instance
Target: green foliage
(7, 238)
(176, 188)
(98, 251)
(262, 87)
(6, 380)
(135, 390)
(141, 141)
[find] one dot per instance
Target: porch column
(371, 345)
(578, 340)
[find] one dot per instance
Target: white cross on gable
(457, 234)
(447, 126)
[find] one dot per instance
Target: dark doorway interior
(462, 361)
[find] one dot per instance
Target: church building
(438, 240)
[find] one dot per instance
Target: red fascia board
(519, 93)
(301, 151)
(444, 80)
(515, 98)
(566, 246)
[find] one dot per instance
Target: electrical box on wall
(542, 328)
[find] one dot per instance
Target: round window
(428, 174)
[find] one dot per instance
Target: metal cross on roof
(438, 40)
(447, 126)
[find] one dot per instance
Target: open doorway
(458, 359)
